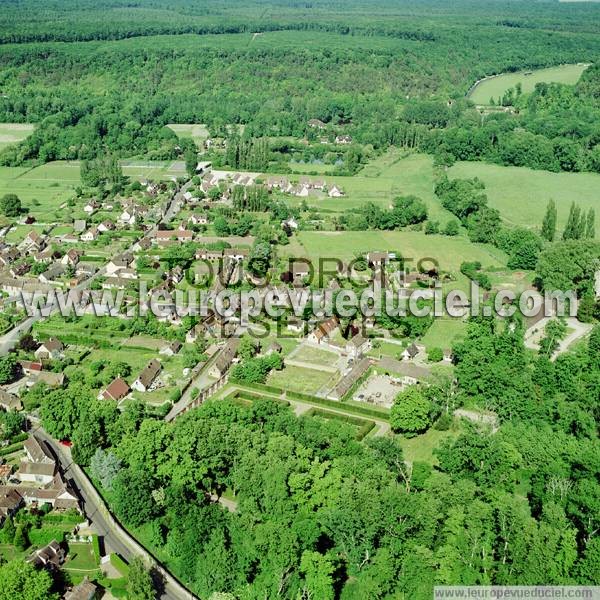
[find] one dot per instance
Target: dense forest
(321, 515)
(387, 81)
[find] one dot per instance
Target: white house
(335, 192)
(302, 191)
(357, 346)
(91, 207)
(290, 223)
(106, 226)
(50, 349)
(147, 377)
(39, 465)
(91, 235)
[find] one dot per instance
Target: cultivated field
(521, 195)
(12, 133)
(495, 87)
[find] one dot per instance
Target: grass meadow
(395, 173)
(197, 132)
(43, 190)
(494, 87)
(444, 332)
(13, 133)
(450, 252)
(521, 194)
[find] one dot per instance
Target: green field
(12, 133)
(444, 332)
(393, 174)
(310, 354)
(496, 86)
(153, 170)
(300, 379)
(450, 252)
(43, 190)
(521, 195)
(196, 132)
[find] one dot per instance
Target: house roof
(37, 450)
(358, 370)
(37, 468)
(358, 340)
(374, 257)
(175, 347)
(84, 591)
(405, 368)
(10, 401)
(9, 499)
(52, 345)
(29, 365)
(148, 375)
(50, 378)
(300, 268)
(117, 390)
(227, 354)
(168, 234)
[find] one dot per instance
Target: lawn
(316, 355)
(12, 133)
(450, 252)
(421, 447)
(494, 87)
(444, 332)
(300, 379)
(153, 169)
(81, 557)
(521, 195)
(9, 552)
(388, 349)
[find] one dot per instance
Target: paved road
(115, 537)
(534, 336)
(9, 340)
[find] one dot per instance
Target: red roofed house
(117, 390)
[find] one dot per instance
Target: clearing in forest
(495, 86)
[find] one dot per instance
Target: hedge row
(11, 448)
(348, 406)
(264, 388)
(351, 407)
(87, 258)
(250, 397)
(365, 426)
(96, 548)
(119, 564)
